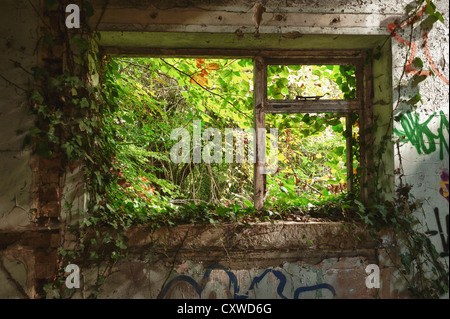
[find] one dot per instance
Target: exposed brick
(49, 209)
(49, 193)
(45, 271)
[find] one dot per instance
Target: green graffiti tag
(420, 135)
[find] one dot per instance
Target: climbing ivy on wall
(79, 111)
(418, 262)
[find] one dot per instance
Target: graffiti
(420, 135)
(444, 190)
(440, 231)
(392, 27)
(233, 282)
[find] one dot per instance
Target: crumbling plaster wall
(132, 27)
(286, 260)
(18, 40)
(421, 132)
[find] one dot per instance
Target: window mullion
(259, 94)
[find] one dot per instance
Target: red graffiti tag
(392, 27)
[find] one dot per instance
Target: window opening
(164, 102)
(285, 80)
(312, 160)
(311, 82)
(157, 96)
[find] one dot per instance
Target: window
(273, 87)
(279, 89)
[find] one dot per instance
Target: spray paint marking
(416, 133)
(443, 236)
(392, 27)
(444, 190)
(234, 282)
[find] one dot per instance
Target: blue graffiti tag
(234, 282)
(299, 290)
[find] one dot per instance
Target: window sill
(261, 244)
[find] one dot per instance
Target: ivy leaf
(81, 43)
(418, 63)
(43, 149)
(428, 23)
(88, 9)
(439, 16)
(431, 7)
(51, 3)
(84, 103)
(417, 79)
(36, 96)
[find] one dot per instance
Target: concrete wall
(425, 155)
(284, 260)
(18, 39)
(262, 261)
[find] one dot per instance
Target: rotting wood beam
(259, 94)
(297, 55)
(315, 106)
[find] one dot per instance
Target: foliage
(420, 265)
(153, 96)
(326, 81)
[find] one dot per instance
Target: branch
(13, 281)
(204, 88)
(13, 84)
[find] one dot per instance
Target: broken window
(310, 85)
(182, 110)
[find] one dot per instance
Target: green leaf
(127, 119)
(439, 16)
(431, 7)
(51, 3)
(248, 203)
(417, 79)
(318, 73)
(88, 9)
(81, 43)
(339, 150)
(418, 63)
(428, 23)
(43, 149)
(36, 96)
(84, 103)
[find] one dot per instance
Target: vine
(414, 255)
(75, 106)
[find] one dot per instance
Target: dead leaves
(202, 77)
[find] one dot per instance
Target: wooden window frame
(261, 57)
(360, 105)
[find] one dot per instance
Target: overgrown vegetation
(112, 118)
(155, 96)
